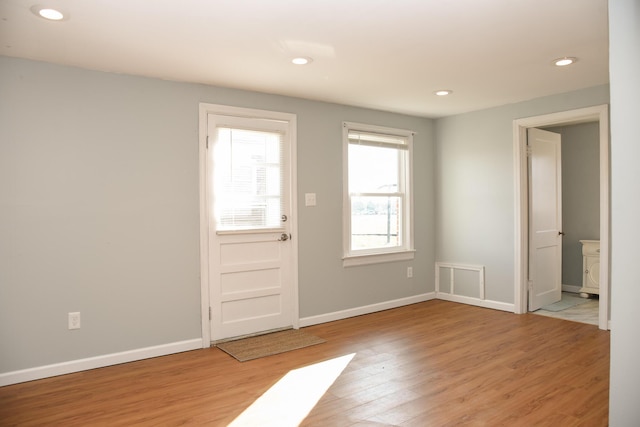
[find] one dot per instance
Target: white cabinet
(590, 267)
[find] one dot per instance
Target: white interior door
(545, 218)
(250, 251)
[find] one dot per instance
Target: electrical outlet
(74, 320)
(409, 272)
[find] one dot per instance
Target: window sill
(355, 260)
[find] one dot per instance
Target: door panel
(545, 218)
(251, 283)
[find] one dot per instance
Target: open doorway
(597, 114)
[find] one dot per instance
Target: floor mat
(268, 344)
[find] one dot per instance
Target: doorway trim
(600, 114)
(204, 110)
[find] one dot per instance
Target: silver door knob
(283, 237)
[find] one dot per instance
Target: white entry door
(545, 218)
(249, 204)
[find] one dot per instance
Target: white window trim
(364, 257)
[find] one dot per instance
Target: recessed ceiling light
(563, 62)
(48, 13)
(301, 60)
(443, 92)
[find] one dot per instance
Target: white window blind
(377, 140)
(249, 184)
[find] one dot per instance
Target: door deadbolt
(284, 218)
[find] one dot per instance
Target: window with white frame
(377, 194)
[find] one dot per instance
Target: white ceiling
(382, 54)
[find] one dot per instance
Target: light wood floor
(430, 364)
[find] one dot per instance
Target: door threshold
(255, 334)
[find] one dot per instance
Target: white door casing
(545, 218)
(599, 114)
(249, 272)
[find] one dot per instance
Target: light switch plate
(310, 199)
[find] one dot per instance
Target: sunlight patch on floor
(291, 399)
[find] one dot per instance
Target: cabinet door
(592, 272)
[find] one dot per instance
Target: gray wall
(624, 41)
(99, 206)
(475, 185)
(99, 211)
(580, 194)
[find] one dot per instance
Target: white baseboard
(496, 305)
(72, 366)
(47, 371)
(571, 288)
(358, 311)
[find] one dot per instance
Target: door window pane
(248, 179)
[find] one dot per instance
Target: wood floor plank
(436, 363)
